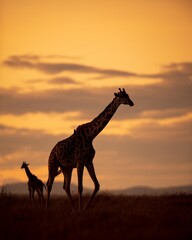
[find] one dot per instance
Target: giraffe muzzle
(131, 104)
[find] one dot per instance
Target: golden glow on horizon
(136, 175)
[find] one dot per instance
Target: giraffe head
(24, 165)
(123, 97)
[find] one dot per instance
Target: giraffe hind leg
(52, 175)
(80, 169)
(53, 172)
(92, 174)
(49, 187)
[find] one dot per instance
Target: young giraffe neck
(100, 122)
(28, 172)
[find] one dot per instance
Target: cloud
(36, 57)
(174, 73)
(52, 101)
(166, 113)
(33, 62)
(177, 129)
(145, 127)
(170, 98)
(183, 67)
(160, 149)
(14, 139)
(53, 123)
(15, 159)
(62, 80)
(90, 102)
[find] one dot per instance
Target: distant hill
(22, 188)
(142, 190)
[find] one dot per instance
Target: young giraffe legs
(30, 195)
(40, 194)
(92, 174)
(41, 190)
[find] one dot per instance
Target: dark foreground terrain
(110, 217)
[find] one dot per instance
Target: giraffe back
(77, 148)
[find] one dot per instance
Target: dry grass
(110, 217)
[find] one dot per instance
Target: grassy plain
(110, 217)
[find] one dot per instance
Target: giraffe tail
(58, 172)
(45, 186)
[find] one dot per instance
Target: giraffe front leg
(39, 195)
(92, 174)
(49, 187)
(80, 169)
(67, 182)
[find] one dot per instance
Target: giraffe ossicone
(77, 151)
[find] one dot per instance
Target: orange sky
(61, 62)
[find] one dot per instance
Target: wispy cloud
(36, 57)
(173, 92)
(174, 73)
(158, 97)
(51, 101)
(53, 123)
(33, 62)
(180, 73)
(62, 80)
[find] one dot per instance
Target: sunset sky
(62, 61)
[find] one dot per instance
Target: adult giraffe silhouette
(77, 151)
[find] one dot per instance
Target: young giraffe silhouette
(34, 184)
(77, 151)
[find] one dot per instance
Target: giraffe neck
(99, 123)
(28, 172)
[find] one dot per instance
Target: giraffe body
(68, 152)
(77, 151)
(34, 184)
